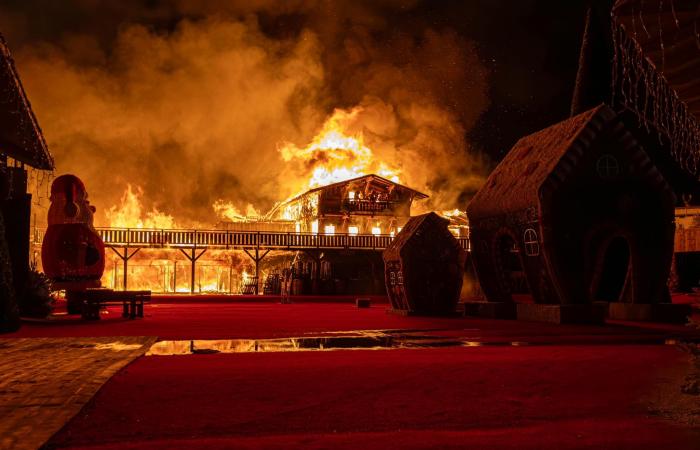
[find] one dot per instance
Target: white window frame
(607, 166)
(531, 242)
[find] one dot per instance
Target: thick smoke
(195, 111)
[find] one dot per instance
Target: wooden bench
(92, 300)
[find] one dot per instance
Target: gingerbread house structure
(575, 214)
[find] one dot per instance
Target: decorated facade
(365, 205)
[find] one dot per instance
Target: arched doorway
(614, 269)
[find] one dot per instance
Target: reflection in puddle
(364, 340)
(170, 348)
(117, 346)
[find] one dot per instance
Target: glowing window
(351, 195)
(297, 227)
(532, 244)
(607, 166)
(353, 230)
(329, 229)
(398, 230)
(376, 230)
(314, 227)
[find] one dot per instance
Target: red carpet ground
(267, 320)
(590, 387)
(482, 397)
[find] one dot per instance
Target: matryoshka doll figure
(72, 251)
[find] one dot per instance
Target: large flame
(336, 154)
(130, 213)
(228, 211)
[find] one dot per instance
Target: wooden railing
(132, 237)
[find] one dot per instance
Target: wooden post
(230, 277)
(256, 259)
(257, 271)
(125, 260)
(175, 276)
(193, 261)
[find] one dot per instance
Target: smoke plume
(188, 102)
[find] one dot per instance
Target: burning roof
(20, 135)
(358, 185)
(368, 180)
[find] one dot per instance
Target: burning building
(368, 204)
(327, 240)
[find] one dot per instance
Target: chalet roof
(371, 177)
(393, 251)
(514, 184)
(20, 135)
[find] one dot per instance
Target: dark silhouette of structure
(424, 266)
(575, 214)
(21, 142)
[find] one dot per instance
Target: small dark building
(424, 266)
(575, 213)
(21, 142)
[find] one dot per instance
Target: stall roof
(20, 135)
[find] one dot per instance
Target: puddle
(332, 342)
(116, 346)
(364, 340)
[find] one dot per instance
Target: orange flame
(228, 211)
(336, 154)
(130, 214)
(456, 213)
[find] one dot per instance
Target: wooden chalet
(365, 205)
